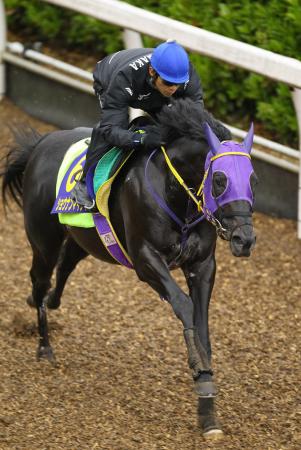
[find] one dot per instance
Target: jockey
(142, 78)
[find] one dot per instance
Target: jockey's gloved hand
(152, 139)
(137, 140)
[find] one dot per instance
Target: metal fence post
(296, 94)
(2, 48)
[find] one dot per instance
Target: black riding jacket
(122, 80)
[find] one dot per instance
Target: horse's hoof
(213, 435)
(46, 353)
(205, 389)
(30, 301)
(210, 426)
(51, 301)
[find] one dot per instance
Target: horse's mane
(183, 117)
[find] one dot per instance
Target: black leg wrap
(197, 356)
(199, 363)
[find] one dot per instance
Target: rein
(186, 225)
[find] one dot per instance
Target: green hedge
(235, 96)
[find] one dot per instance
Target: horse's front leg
(200, 277)
(151, 268)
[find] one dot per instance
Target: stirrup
(93, 206)
(84, 205)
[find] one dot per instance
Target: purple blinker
(237, 168)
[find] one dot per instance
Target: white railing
(2, 48)
(136, 20)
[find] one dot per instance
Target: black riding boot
(80, 195)
(97, 148)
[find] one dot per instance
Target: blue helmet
(171, 62)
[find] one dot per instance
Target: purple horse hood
(237, 168)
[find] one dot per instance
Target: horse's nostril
(236, 240)
(252, 241)
(247, 243)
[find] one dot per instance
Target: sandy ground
(122, 380)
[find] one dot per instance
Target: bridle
(199, 198)
(217, 222)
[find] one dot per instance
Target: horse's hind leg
(41, 271)
(71, 253)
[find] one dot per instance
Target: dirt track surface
(122, 380)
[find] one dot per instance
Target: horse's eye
(219, 183)
(253, 181)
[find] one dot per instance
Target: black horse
(158, 236)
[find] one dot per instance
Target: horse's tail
(15, 162)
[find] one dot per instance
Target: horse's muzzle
(243, 240)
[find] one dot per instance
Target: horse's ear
(248, 140)
(212, 139)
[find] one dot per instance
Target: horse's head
(228, 190)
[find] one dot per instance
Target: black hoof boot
(205, 389)
(204, 386)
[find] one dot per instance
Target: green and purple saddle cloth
(99, 181)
